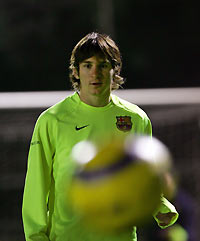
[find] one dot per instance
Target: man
(91, 113)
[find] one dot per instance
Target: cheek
(82, 76)
(84, 73)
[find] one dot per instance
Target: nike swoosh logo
(79, 128)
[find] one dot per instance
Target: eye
(87, 65)
(104, 65)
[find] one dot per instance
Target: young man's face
(96, 76)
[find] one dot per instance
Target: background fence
(175, 116)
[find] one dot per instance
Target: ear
(75, 73)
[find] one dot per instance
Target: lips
(96, 83)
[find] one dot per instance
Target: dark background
(159, 41)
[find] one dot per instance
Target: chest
(99, 129)
(79, 127)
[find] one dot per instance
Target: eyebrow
(88, 61)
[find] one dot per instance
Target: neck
(94, 100)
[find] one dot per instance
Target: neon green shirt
(58, 129)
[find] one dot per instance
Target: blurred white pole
(41, 99)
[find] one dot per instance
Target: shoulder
(129, 107)
(58, 110)
(140, 118)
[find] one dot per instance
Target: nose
(95, 70)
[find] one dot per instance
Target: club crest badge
(124, 123)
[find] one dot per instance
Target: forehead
(96, 59)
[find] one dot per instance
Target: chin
(96, 92)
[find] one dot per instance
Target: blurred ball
(120, 185)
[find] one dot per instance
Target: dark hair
(96, 44)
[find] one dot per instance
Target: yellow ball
(118, 188)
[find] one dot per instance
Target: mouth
(96, 83)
